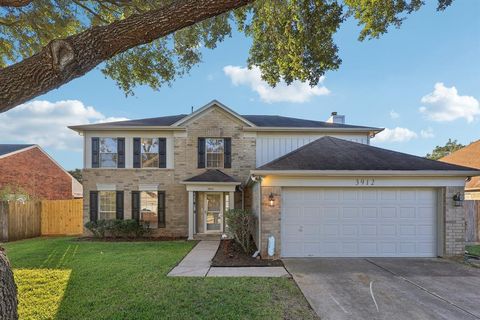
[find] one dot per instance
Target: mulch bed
(230, 254)
(146, 239)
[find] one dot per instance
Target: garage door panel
(361, 222)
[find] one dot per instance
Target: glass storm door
(213, 212)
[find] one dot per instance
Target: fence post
(4, 221)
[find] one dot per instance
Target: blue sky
(380, 83)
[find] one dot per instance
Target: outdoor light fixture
(458, 199)
(271, 199)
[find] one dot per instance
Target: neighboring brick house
(318, 188)
(29, 168)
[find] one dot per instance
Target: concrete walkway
(197, 264)
(197, 261)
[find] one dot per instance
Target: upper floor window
(214, 152)
(108, 153)
(150, 155)
(106, 205)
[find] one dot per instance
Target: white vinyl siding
(358, 222)
(271, 147)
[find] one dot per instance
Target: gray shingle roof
(328, 153)
(211, 175)
(8, 148)
(258, 120)
(279, 121)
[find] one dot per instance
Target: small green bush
(240, 225)
(117, 228)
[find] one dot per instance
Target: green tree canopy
(158, 41)
(443, 151)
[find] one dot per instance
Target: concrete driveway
(388, 288)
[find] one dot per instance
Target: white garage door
(363, 222)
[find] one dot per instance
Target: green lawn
(474, 250)
(61, 278)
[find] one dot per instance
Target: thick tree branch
(64, 60)
(14, 3)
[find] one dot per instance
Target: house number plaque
(364, 181)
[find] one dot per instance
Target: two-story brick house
(318, 188)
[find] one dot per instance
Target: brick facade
(214, 122)
(37, 174)
(454, 233)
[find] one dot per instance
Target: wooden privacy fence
(36, 218)
(472, 220)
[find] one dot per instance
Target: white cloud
(45, 123)
(397, 134)
(427, 133)
(445, 104)
(394, 114)
(296, 92)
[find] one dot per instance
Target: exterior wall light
(458, 199)
(271, 199)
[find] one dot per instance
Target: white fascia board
(209, 105)
(384, 173)
(209, 183)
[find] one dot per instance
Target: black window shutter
(162, 152)
(136, 205)
(119, 205)
(227, 159)
(161, 209)
(121, 152)
(201, 152)
(93, 205)
(95, 152)
(137, 152)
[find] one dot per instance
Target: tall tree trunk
(64, 60)
(8, 290)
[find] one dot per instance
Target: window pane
(214, 152)
(149, 208)
(149, 145)
(108, 160)
(150, 160)
(108, 145)
(106, 206)
(214, 145)
(108, 152)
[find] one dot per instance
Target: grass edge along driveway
(62, 278)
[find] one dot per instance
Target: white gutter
(336, 173)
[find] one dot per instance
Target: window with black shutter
(227, 160)
(201, 152)
(161, 209)
(121, 152)
(119, 205)
(162, 152)
(137, 152)
(95, 152)
(136, 205)
(93, 205)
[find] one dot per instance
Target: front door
(213, 212)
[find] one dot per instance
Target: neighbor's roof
(9, 148)
(330, 153)
(212, 175)
(468, 156)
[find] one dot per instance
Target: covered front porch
(210, 195)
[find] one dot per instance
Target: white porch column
(190, 215)
(231, 199)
